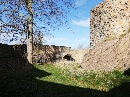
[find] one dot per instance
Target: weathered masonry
(41, 53)
(109, 19)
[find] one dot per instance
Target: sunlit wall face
(109, 19)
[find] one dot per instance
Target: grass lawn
(50, 81)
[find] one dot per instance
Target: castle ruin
(41, 53)
(109, 19)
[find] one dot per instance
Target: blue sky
(79, 32)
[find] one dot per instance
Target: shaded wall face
(11, 55)
(110, 18)
(12, 50)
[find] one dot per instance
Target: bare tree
(28, 4)
(18, 17)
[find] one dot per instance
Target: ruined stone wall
(109, 56)
(41, 53)
(48, 53)
(12, 50)
(109, 19)
(11, 55)
(48, 49)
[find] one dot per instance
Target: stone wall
(11, 55)
(41, 53)
(12, 50)
(47, 53)
(109, 55)
(109, 19)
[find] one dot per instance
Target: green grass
(50, 81)
(102, 81)
(56, 75)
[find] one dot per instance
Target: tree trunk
(30, 32)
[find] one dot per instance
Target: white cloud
(81, 40)
(80, 2)
(85, 23)
(59, 39)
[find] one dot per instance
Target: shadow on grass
(123, 90)
(21, 81)
(127, 72)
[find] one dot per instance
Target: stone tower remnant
(109, 19)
